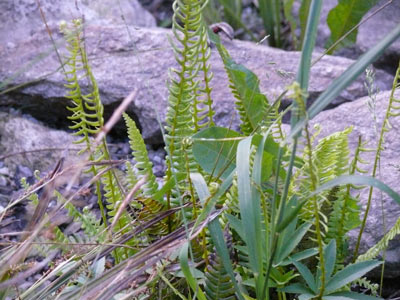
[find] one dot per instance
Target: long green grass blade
(344, 80)
(210, 203)
(201, 186)
(358, 180)
(247, 204)
(303, 73)
(184, 261)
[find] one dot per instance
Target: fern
(330, 159)
(202, 105)
(382, 244)
(143, 164)
(218, 284)
(251, 105)
(182, 90)
(393, 110)
(87, 109)
(189, 102)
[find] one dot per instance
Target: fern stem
(385, 127)
(316, 213)
(352, 170)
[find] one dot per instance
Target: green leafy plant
(335, 287)
(240, 214)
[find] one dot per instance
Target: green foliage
(251, 104)
(87, 109)
(143, 164)
(330, 159)
(335, 282)
(186, 113)
(343, 17)
(270, 12)
(218, 284)
(241, 180)
(214, 149)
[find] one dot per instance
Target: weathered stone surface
(122, 63)
(369, 33)
(19, 135)
(357, 114)
(22, 18)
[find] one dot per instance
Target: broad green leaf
(349, 296)
(247, 85)
(222, 250)
(350, 273)
(299, 256)
(306, 296)
(291, 241)
(249, 211)
(330, 258)
(307, 276)
(343, 17)
(214, 149)
(296, 288)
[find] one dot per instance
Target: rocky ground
(33, 125)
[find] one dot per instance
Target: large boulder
(358, 114)
(140, 60)
(23, 17)
(26, 144)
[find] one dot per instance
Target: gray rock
(122, 63)
(358, 115)
(20, 135)
(23, 17)
(369, 33)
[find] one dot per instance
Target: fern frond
(382, 244)
(87, 109)
(202, 105)
(143, 164)
(393, 110)
(365, 283)
(186, 113)
(89, 222)
(329, 160)
(218, 282)
(244, 86)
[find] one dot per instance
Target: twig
(126, 201)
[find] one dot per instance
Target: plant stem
(316, 213)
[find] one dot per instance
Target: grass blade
(358, 180)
